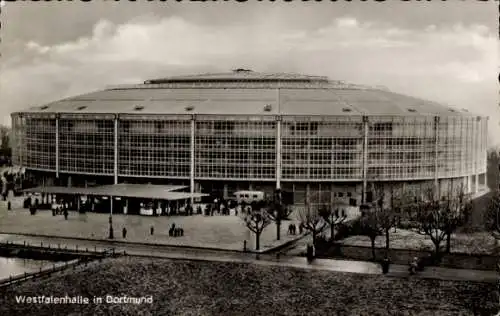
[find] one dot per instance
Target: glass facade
(86, 145)
(154, 147)
(400, 148)
(235, 147)
(322, 150)
(34, 141)
(244, 147)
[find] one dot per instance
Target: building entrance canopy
(146, 191)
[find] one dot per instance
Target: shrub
(347, 229)
(321, 241)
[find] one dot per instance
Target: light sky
(441, 51)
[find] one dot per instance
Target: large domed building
(225, 132)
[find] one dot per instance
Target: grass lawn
(210, 288)
(477, 243)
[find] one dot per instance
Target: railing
(47, 246)
(47, 271)
(56, 267)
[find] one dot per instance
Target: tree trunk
(387, 242)
(314, 237)
(257, 241)
(332, 232)
(373, 248)
(436, 248)
(278, 229)
(448, 243)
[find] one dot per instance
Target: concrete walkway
(228, 232)
(347, 266)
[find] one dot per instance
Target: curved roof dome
(243, 92)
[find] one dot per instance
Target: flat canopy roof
(148, 191)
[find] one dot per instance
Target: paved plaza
(221, 232)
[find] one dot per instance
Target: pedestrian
(385, 265)
(310, 253)
(124, 232)
(152, 230)
(181, 232)
(65, 214)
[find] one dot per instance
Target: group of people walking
(175, 231)
(292, 229)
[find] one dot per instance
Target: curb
(152, 243)
(284, 245)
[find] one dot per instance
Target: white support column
(57, 146)
(111, 206)
(192, 157)
(115, 169)
(477, 151)
(278, 152)
(462, 152)
(365, 158)
(436, 153)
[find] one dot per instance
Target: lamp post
(111, 235)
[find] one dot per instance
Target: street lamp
(111, 235)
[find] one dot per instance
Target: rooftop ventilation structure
(44, 107)
(346, 110)
(412, 110)
(237, 70)
(82, 107)
(189, 108)
(268, 108)
(138, 108)
(452, 110)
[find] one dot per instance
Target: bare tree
(437, 218)
(370, 225)
(492, 174)
(405, 206)
(278, 211)
(457, 205)
(492, 218)
(311, 219)
(333, 215)
(257, 220)
(380, 216)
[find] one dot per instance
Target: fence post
(86, 249)
(41, 244)
(24, 243)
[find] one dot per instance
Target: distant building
(246, 130)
